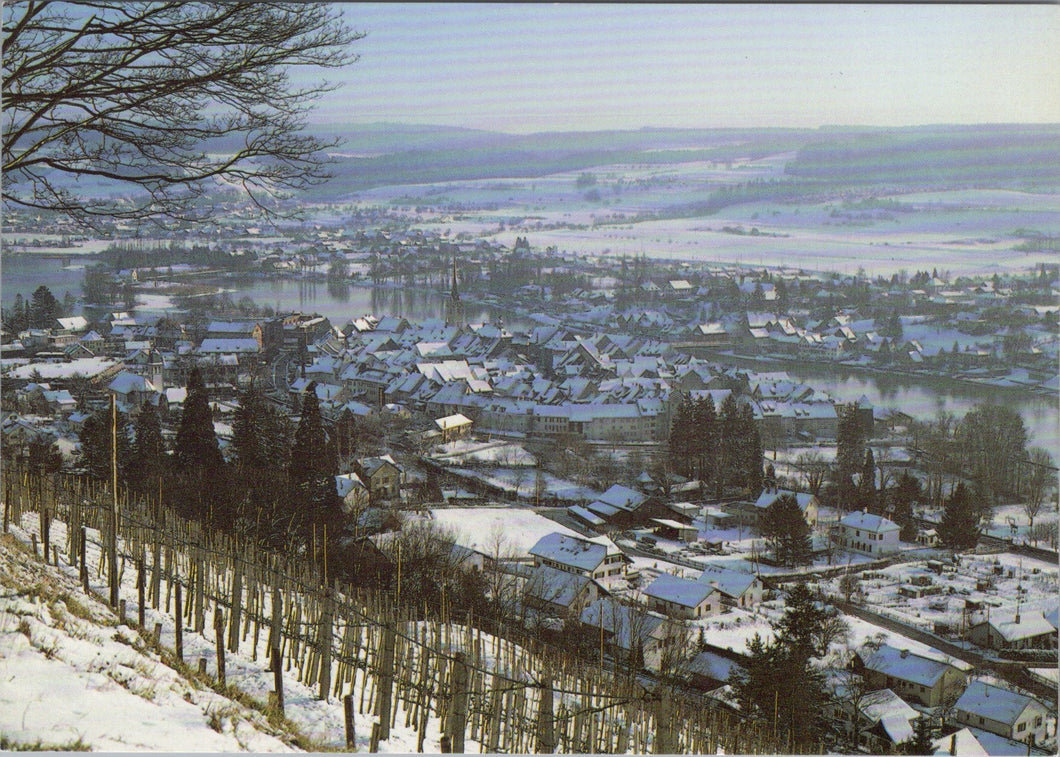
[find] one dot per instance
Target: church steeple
(454, 308)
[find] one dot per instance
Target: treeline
(721, 449)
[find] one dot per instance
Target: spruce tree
(680, 442)
(750, 450)
(196, 446)
(903, 495)
(148, 450)
(97, 442)
(200, 489)
(785, 529)
(959, 529)
(922, 742)
(728, 443)
(312, 472)
(43, 308)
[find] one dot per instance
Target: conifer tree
(97, 442)
(867, 499)
(728, 443)
(148, 449)
(959, 528)
(680, 441)
(750, 450)
(312, 471)
(787, 532)
(196, 446)
(201, 485)
(903, 495)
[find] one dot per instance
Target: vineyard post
(237, 603)
(458, 712)
(347, 708)
(179, 624)
(84, 564)
(219, 632)
(277, 677)
(324, 643)
(112, 542)
(663, 728)
(140, 586)
(546, 731)
(386, 683)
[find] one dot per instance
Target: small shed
(672, 529)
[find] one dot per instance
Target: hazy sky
(533, 67)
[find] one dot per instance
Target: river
(924, 397)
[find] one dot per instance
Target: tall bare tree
(160, 105)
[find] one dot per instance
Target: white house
(594, 559)
(738, 589)
(682, 598)
(868, 533)
(1006, 713)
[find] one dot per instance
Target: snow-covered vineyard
(355, 669)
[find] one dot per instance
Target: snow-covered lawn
(523, 483)
(514, 530)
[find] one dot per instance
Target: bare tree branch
(157, 105)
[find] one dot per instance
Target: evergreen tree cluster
(39, 313)
(277, 490)
(719, 448)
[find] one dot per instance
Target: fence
(375, 657)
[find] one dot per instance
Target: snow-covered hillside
(71, 677)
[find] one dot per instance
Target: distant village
(539, 445)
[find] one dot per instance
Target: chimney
(905, 653)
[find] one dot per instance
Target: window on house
(1038, 721)
(1021, 727)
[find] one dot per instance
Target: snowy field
(508, 531)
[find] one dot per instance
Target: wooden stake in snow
(458, 711)
(546, 732)
(179, 618)
(237, 603)
(351, 734)
(140, 587)
(84, 564)
(386, 683)
(219, 632)
(277, 678)
(664, 740)
(112, 542)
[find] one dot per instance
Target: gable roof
(732, 583)
(769, 496)
(905, 665)
(569, 550)
(556, 586)
(623, 497)
(994, 702)
(681, 591)
(1031, 623)
(869, 522)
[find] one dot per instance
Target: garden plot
(493, 452)
(991, 580)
